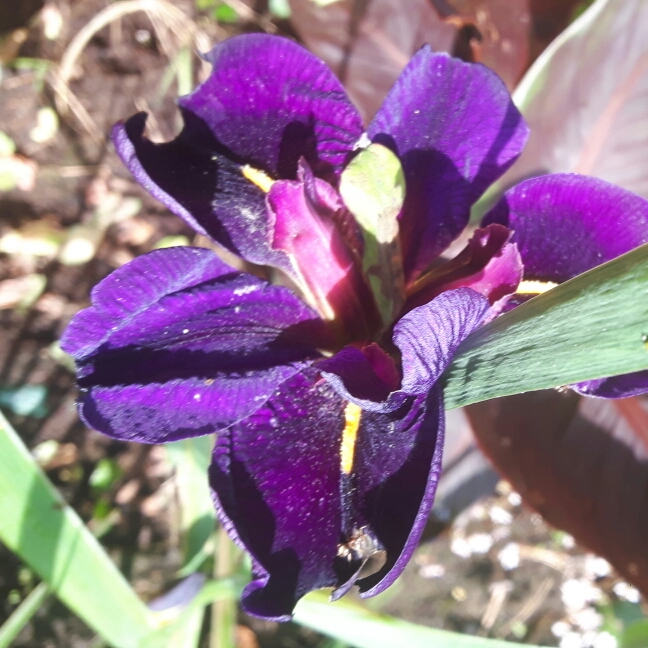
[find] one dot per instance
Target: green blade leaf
(590, 327)
(48, 535)
(12, 627)
(191, 459)
(363, 628)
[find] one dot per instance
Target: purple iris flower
(329, 415)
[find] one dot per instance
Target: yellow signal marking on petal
(535, 287)
(257, 177)
(352, 415)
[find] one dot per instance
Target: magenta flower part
(329, 421)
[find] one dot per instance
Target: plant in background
(326, 399)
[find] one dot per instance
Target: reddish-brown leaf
(582, 463)
(368, 42)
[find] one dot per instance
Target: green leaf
(226, 14)
(635, 635)
(590, 327)
(191, 459)
(279, 9)
(7, 145)
(171, 241)
(105, 474)
(37, 524)
(362, 628)
(12, 627)
(26, 400)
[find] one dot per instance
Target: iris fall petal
(293, 522)
(177, 343)
(566, 224)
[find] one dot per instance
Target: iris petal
(456, 130)
(192, 178)
(397, 470)
(427, 338)
(177, 343)
(276, 478)
(632, 384)
(566, 224)
(293, 521)
(270, 102)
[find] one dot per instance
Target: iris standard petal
(192, 178)
(566, 224)
(427, 338)
(177, 344)
(270, 102)
(456, 130)
(296, 493)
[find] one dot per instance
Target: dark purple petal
(456, 131)
(193, 179)
(397, 470)
(281, 492)
(624, 386)
(177, 344)
(566, 224)
(427, 338)
(429, 335)
(351, 369)
(270, 102)
(276, 479)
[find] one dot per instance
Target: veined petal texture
(177, 343)
(293, 522)
(566, 224)
(270, 101)
(456, 130)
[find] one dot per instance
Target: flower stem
(223, 613)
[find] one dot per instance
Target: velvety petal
(281, 492)
(427, 338)
(354, 377)
(276, 479)
(305, 227)
(397, 469)
(456, 130)
(194, 179)
(632, 384)
(566, 224)
(270, 102)
(177, 343)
